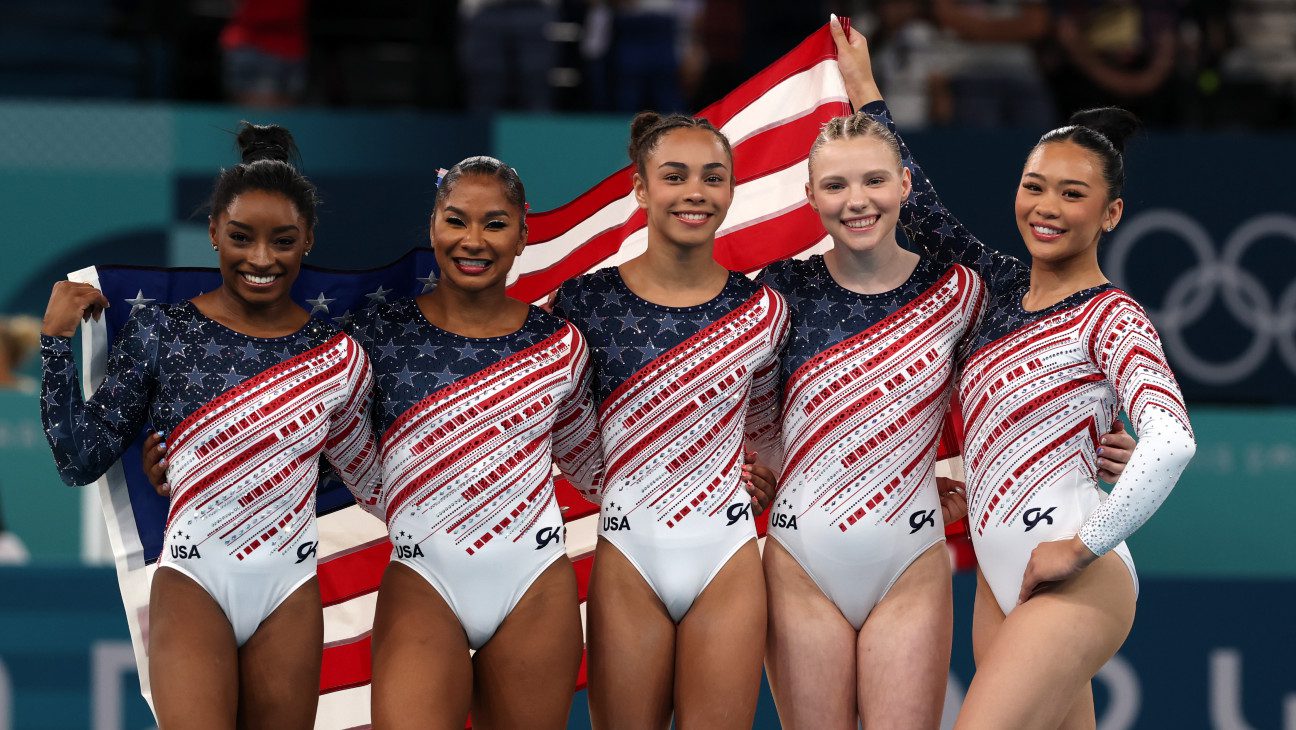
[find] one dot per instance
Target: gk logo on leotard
(306, 550)
(737, 512)
(548, 535)
(921, 519)
(1034, 516)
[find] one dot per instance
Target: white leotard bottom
(247, 593)
(855, 569)
(679, 567)
(482, 589)
(1003, 550)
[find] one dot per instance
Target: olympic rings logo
(1272, 323)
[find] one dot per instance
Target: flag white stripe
(800, 94)
(345, 708)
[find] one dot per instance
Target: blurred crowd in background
(984, 63)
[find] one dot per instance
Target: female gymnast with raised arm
(235, 625)
(1059, 352)
(857, 574)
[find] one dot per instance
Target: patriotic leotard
(471, 429)
(246, 419)
(677, 388)
(1037, 391)
(866, 382)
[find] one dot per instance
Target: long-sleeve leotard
(866, 381)
(246, 420)
(1040, 387)
(471, 429)
(678, 389)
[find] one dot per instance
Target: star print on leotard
(244, 418)
(865, 381)
(469, 424)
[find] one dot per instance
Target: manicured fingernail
(162, 463)
(1100, 450)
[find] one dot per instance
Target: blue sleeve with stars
(928, 224)
(564, 302)
(87, 437)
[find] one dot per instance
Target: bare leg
(631, 646)
(904, 647)
(719, 647)
(422, 674)
(987, 617)
(279, 665)
(526, 674)
(193, 658)
(809, 653)
(1081, 716)
(1050, 647)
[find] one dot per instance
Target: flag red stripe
(573, 505)
(757, 246)
(346, 665)
(532, 286)
(353, 574)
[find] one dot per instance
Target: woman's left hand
(1053, 562)
(759, 482)
(855, 65)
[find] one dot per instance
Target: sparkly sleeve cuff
(52, 346)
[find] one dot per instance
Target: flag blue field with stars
(328, 294)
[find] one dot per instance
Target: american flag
(771, 120)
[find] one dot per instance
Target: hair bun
(265, 142)
(639, 126)
(1114, 123)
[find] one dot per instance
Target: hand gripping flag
(771, 121)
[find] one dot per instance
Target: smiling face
(1062, 206)
(261, 239)
(687, 187)
(857, 186)
(476, 234)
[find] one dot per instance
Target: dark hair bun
(265, 142)
(639, 126)
(1114, 123)
(267, 153)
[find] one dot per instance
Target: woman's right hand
(855, 65)
(953, 499)
(70, 303)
